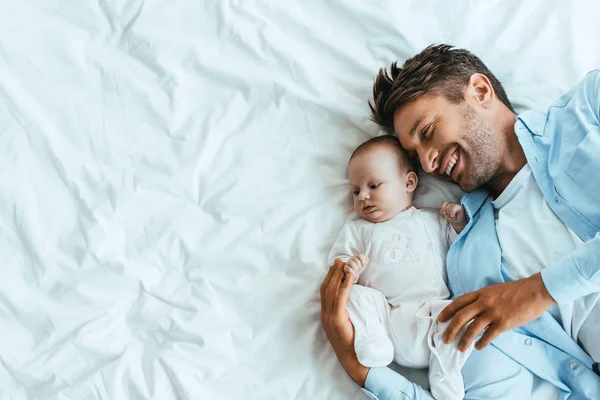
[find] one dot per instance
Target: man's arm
(509, 305)
(381, 382)
(336, 322)
(496, 307)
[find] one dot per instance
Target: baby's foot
(374, 351)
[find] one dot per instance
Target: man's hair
(391, 141)
(438, 69)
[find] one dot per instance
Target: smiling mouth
(450, 167)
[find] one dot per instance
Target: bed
(173, 175)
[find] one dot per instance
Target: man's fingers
(473, 330)
(342, 300)
(325, 284)
(459, 320)
(334, 285)
(459, 303)
(489, 335)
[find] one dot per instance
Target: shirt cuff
(564, 280)
(383, 383)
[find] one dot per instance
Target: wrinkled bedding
(172, 176)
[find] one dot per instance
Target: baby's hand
(454, 213)
(356, 265)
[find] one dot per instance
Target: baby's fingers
(353, 264)
(363, 259)
(457, 210)
(348, 269)
(453, 212)
(444, 209)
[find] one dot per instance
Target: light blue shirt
(562, 148)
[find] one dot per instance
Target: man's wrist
(356, 370)
(542, 291)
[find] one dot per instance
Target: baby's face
(378, 185)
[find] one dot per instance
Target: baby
(398, 255)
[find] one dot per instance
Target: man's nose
(430, 160)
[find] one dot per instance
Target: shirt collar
(473, 201)
(531, 121)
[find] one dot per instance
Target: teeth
(451, 164)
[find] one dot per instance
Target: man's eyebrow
(415, 126)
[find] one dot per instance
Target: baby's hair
(392, 142)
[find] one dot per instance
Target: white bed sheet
(172, 176)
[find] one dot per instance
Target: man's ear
(411, 181)
(480, 89)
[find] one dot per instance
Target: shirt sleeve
(578, 273)
(575, 275)
(592, 91)
(385, 384)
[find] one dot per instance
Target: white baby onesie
(400, 294)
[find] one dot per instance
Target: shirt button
(574, 366)
(528, 342)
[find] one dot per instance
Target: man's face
(451, 141)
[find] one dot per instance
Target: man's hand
(334, 316)
(498, 308)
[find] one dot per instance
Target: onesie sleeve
(448, 231)
(347, 244)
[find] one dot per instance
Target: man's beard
(484, 150)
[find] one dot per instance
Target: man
(526, 270)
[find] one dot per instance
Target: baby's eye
(356, 192)
(374, 186)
